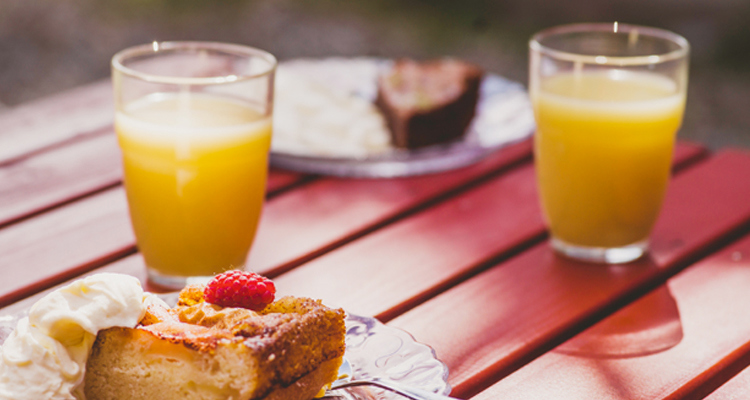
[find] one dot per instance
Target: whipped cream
(331, 119)
(45, 356)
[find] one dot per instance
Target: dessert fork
(345, 372)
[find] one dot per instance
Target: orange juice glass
(608, 101)
(193, 120)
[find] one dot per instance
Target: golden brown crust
(155, 314)
(195, 337)
(191, 295)
(306, 387)
(300, 324)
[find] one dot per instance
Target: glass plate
(503, 116)
(378, 350)
(372, 348)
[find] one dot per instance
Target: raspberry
(240, 289)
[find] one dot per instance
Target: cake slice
(200, 351)
(428, 103)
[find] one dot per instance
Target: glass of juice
(193, 120)
(608, 101)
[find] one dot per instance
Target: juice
(603, 149)
(195, 170)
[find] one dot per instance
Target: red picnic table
(460, 260)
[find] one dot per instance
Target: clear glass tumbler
(194, 123)
(608, 101)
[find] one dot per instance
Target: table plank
(472, 231)
(335, 211)
(54, 177)
(130, 265)
(692, 351)
(736, 389)
(63, 243)
(523, 307)
(305, 223)
(50, 121)
(280, 181)
(99, 212)
(82, 235)
(79, 244)
(398, 266)
(686, 152)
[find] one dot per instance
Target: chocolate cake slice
(427, 103)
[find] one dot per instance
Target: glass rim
(681, 52)
(227, 48)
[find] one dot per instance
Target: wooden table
(459, 259)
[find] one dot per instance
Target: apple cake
(289, 350)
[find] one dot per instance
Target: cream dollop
(311, 118)
(45, 356)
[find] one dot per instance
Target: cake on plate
(289, 349)
(427, 103)
(103, 337)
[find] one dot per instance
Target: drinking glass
(608, 100)
(193, 121)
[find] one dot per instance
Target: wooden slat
(61, 147)
(698, 340)
(52, 120)
(397, 267)
(304, 223)
(495, 322)
(37, 175)
(130, 265)
(77, 254)
(738, 388)
(687, 154)
(334, 211)
(55, 177)
(280, 180)
(71, 225)
(63, 243)
(51, 178)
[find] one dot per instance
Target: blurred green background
(47, 46)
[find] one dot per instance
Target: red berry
(240, 289)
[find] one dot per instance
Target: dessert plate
(372, 348)
(376, 350)
(344, 145)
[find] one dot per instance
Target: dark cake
(429, 102)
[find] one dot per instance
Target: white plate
(503, 116)
(372, 348)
